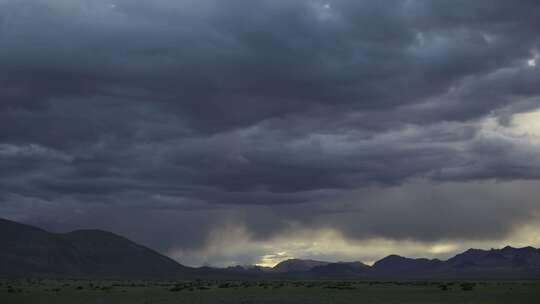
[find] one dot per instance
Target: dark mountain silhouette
(394, 264)
(30, 251)
(506, 263)
(296, 265)
(251, 269)
(506, 257)
(341, 268)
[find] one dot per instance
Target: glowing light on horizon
(271, 260)
(532, 61)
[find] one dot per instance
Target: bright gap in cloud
(533, 60)
(526, 125)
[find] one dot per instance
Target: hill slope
(296, 265)
(397, 265)
(341, 269)
(30, 251)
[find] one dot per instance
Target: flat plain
(289, 291)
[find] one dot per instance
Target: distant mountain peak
(297, 265)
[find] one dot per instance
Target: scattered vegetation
(272, 291)
(467, 286)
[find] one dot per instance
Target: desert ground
(290, 291)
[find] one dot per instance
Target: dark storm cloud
(223, 65)
(106, 104)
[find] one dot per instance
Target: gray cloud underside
(195, 110)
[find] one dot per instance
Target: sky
(224, 132)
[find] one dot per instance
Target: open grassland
(209, 291)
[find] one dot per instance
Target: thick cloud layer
(194, 116)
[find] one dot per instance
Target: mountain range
(506, 263)
(27, 251)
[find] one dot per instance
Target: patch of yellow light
(271, 260)
(528, 123)
(526, 235)
(524, 126)
(531, 62)
(370, 262)
(443, 248)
